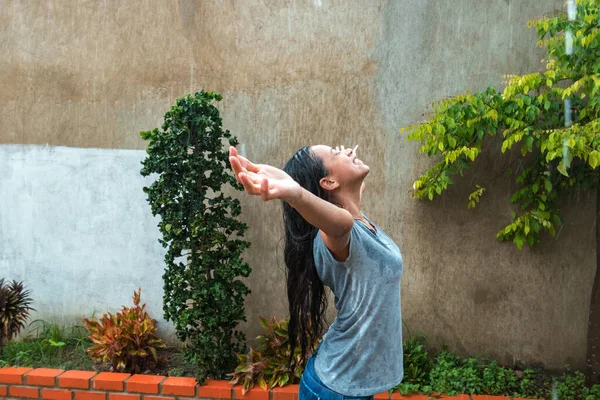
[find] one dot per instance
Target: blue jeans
(311, 387)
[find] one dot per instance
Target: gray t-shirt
(361, 353)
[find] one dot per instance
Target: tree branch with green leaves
(528, 113)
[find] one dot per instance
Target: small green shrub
(203, 286)
(126, 340)
(417, 366)
(15, 305)
(497, 380)
(270, 366)
(452, 374)
(533, 384)
(571, 386)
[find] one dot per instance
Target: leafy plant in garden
(127, 340)
(417, 366)
(203, 292)
(571, 385)
(451, 374)
(15, 306)
(270, 366)
(533, 384)
(497, 380)
(529, 115)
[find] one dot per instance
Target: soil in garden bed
(171, 362)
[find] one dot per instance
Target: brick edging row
(57, 384)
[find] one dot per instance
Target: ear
(328, 184)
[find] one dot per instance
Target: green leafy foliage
(51, 346)
(269, 365)
(533, 384)
(203, 292)
(417, 366)
(15, 306)
(176, 371)
(530, 116)
(571, 386)
(450, 374)
(127, 340)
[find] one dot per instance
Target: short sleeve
(322, 254)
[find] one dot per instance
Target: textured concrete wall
(75, 227)
(95, 73)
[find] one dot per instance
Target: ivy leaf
(561, 168)
(472, 154)
(594, 159)
(451, 142)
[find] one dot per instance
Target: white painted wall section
(76, 227)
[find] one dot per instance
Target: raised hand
(263, 180)
(342, 149)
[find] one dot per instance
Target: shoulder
(337, 247)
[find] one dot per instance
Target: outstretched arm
(271, 183)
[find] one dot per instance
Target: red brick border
(56, 384)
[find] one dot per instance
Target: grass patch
(40, 353)
(50, 346)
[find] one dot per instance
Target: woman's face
(343, 166)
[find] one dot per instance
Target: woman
(329, 241)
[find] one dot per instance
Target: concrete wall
(91, 74)
(75, 227)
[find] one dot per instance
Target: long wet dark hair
(305, 291)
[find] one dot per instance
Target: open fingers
(264, 189)
(343, 149)
(268, 192)
(249, 165)
(244, 162)
(237, 167)
(249, 185)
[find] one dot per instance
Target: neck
(350, 201)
